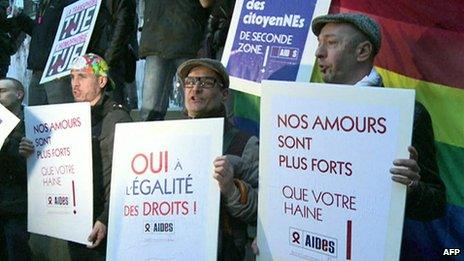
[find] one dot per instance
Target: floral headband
(91, 63)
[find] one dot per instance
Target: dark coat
(13, 176)
(172, 28)
(427, 201)
(217, 28)
(7, 46)
(115, 24)
(105, 114)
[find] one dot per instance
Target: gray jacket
(239, 211)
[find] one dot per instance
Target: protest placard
(8, 122)
(59, 184)
(325, 188)
(271, 40)
(72, 38)
(164, 201)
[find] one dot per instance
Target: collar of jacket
(100, 109)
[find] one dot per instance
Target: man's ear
(20, 95)
(225, 94)
(102, 81)
(364, 51)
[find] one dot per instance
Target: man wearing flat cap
(206, 88)
(348, 44)
(89, 80)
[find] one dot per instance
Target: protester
(206, 87)
(42, 32)
(172, 33)
(217, 27)
(347, 47)
(89, 79)
(111, 38)
(7, 45)
(13, 179)
(116, 20)
(348, 44)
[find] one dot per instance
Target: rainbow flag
(422, 49)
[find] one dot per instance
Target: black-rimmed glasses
(205, 82)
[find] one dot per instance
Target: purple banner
(270, 39)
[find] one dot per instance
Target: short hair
(358, 38)
(16, 83)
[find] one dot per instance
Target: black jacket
(172, 28)
(7, 46)
(113, 29)
(105, 114)
(217, 27)
(13, 176)
(427, 201)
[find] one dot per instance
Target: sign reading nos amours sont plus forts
(59, 184)
(325, 190)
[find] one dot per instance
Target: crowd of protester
(181, 41)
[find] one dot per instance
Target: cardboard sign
(164, 200)
(325, 188)
(72, 38)
(59, 183)
(271, 40)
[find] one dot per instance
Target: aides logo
(159, 227)
(57, 200)
(314, 242)
(451, 251)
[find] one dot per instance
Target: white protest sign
(72, 38)
(8, 122)
(325, 188)
(59, 184)
(164, 201)
(271, 40)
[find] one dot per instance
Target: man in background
(13, 179)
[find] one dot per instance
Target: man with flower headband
(89, 79)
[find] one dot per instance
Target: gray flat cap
(214, 65)
(362, 22)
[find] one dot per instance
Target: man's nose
(74, 84)
(320, 52)
(196, 87)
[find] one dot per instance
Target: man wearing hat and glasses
(89, 79)
(206, 88)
